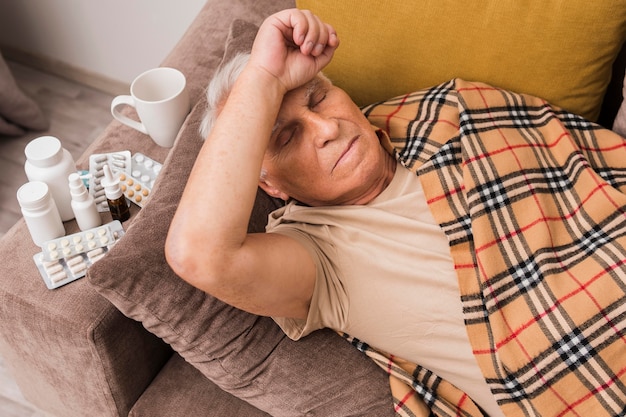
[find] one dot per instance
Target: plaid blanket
(532, 200)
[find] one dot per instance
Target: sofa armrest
(70, 351)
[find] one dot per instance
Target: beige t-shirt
(386, 277)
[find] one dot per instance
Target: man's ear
(272, 191)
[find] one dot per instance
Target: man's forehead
(306, 90)
(302, 93)
(311, 87)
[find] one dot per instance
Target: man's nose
(326, 129)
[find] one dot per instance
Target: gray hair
(219, 88)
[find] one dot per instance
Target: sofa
(132, 339)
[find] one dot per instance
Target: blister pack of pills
(67, 246)
(60, 269)
(138, 185)
(119, 162)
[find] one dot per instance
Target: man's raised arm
(208, 244)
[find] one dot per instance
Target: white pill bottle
(83, 204)
(48, 161)
(40, 212)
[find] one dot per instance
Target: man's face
(323, 151)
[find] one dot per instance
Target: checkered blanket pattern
(532, 200)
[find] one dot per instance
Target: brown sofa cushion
(209, 400)
(244, 354)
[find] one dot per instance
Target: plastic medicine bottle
(48, 161)
(83, 204)
(40, 212)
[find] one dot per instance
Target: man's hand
(293, 46)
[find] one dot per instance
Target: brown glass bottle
(115, 198)
(119, 208)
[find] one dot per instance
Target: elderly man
(356, 248)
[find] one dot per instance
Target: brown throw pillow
(244, 354)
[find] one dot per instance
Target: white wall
(117, 39)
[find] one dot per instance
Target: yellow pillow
(559, 50)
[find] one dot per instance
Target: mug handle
(120, 101)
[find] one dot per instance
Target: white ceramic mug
(160, 97)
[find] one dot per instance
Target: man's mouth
(346, 151)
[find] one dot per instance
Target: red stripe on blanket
(459, 407)
(404, 400)
(446, 195)
(390, 364)
(464, 266)
(615, 204)
(514, 147)
(603, 387)
(479, 89)
(598, 150)
(396, 111)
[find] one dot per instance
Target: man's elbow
(197, 262)
(181, 257)
(174, 254)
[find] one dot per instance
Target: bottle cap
(111, 184)
(77, 187)
(33, 195)
(44, 151)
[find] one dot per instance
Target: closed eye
(286, 136)
(317, 99)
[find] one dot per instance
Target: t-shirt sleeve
(329, 301)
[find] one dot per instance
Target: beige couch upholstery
(133, 339)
